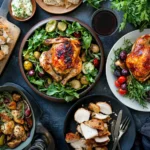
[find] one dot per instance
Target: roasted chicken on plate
(138, 61)
(62, 61)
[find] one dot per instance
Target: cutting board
(14, 32)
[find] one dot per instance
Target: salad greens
(94, 3)
(136, 89)
(35, 43)
(136, 12)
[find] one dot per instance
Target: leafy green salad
(125, 82)
(90, 55)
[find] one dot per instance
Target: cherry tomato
(122, 79)
(96, 62)
(122, 92)
(117, 84)
(77, 34)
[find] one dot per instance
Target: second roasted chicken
(62, 61)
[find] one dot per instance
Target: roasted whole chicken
(138, 61)
(62, 61)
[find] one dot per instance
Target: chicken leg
(45, 62)
(75, 71)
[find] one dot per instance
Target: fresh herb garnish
(136, 12)
(94, 3)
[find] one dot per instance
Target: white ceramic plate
(132, 36)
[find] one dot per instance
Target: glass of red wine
(105, 22)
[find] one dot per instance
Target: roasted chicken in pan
(62, 61)
(138, 61)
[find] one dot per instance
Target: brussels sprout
(51, 26)
(37, 54)
(87, 67)
(62, 26)
(75, 84)
(84, 80)
(95, 48)
(28, 65)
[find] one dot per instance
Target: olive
(31, 73)
(37, 54)
(41, 74)
(6, 100)
(125, 72)
(117, 73)
(28, 65)
(123, 55)
(124, 86)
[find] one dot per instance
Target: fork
(124, 126)
(112, 131)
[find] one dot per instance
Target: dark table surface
(54, 113)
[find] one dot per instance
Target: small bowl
(23, 19)
(111, 14)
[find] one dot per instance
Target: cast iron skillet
(11, 89)
(31, 31)
(128, 138)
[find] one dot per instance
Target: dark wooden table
(54, 113)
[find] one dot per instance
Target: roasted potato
(84, 80)
(14, 143)
(95, 48)
(75, 84)
(27, 65)
(93, 107)
(12, 105)
(16, 97)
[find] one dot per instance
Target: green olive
(95, 48)
(28, 65)
(62, 26)
(26, 57)
(2, 138)
(37, 54)
(75, 84)
(51, 26)
(49, 81)
(84, 80)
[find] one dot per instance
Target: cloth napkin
(142, 141)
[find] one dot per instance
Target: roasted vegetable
(87, 67)
(83, 57)
(62, 26)
(28, 65)
(75, 84)
(93, 107)
(16, 97)
(51, 26)
(84, 80)
(7, 127)
(2, 139)
(95, 48)
(12, 105)
(37, 54)
(79, 76)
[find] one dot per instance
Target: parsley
(136, 12)
(94, 3)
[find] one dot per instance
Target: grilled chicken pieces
(62, 61)
(138, 61)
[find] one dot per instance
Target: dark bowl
(31, 31)
(70, 124)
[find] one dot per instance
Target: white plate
(132, 36)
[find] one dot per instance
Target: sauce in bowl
(104, 22)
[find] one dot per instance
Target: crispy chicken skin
(62, 61)
(72, 137)
(138, 61)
